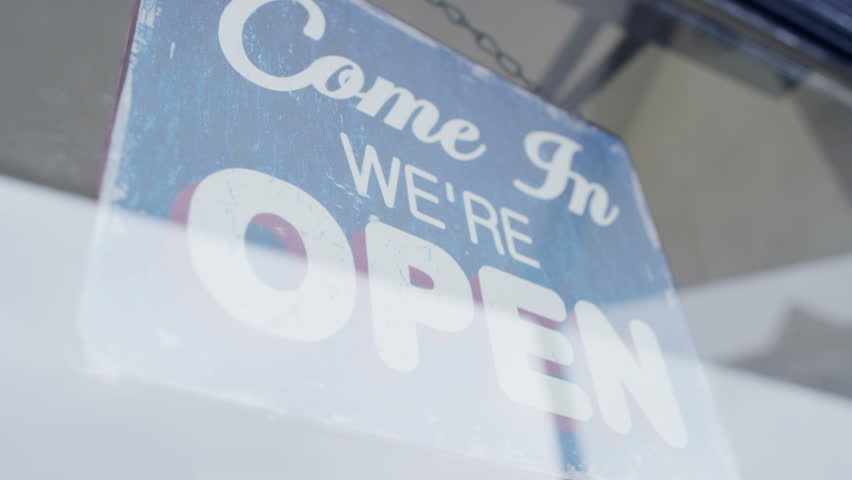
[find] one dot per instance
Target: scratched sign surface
(313, 209)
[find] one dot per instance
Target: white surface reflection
(158, 380)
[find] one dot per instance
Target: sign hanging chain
(508, 64)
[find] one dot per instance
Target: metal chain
(508, 64)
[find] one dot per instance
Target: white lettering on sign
(413, 284)
(361, 175)
(514, 340)
(490, 221)
(340, 78)
(508, 216)
(414, 192)
(503, 227)
(559, 173)
(222, 207)
(349, 80)
(399, 306)
(614, 370)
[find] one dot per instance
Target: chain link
(508, 64)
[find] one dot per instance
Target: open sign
(412, 282)
(465, 268)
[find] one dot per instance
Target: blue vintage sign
(311, 208)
